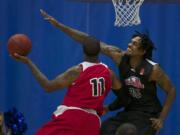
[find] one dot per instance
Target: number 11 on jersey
(98, 86)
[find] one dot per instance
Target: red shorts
(72, 122)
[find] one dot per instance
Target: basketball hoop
(127, 12)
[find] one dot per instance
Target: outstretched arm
(112, 51)
(61, 81)
(109, 50)
(164, 82)
(73, 33)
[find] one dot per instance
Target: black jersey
(143, 92)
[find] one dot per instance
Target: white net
(127, 12)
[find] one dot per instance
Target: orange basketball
(20, 44)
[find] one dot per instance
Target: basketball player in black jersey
(140, 77)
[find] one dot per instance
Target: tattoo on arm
(61, 81)
(108, 50)
(111, 51)
(71, 75)
(68, 77)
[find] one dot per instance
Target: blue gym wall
(54, 52)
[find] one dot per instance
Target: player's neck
(91, 59)
(135, 61)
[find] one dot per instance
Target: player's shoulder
(153, 63)
(75, 69)
(156, 71)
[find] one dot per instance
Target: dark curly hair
(146, 44)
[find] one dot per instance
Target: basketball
(20, 44)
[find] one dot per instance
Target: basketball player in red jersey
(88, 84)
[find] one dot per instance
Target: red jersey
(90, 88)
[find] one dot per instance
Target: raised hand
(157, 124)
(20, 58)
(49, 18)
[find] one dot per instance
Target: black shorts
(139, 119)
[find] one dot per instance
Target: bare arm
(111, 51)
(61, 81)
(116, 84)
(164, 82)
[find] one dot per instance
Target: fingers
(19, 57)
(44, 14)
(42, 11)
(16, 55)
(49, 18)
(156, 123)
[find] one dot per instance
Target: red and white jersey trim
(86, 64)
